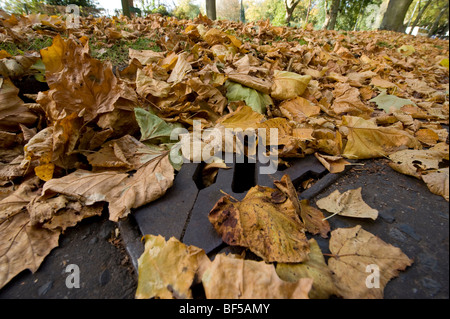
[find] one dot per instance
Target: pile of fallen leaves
(100, 139)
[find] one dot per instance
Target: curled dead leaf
(234, 278)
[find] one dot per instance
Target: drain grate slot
(244, 176)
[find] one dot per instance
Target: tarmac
(106, 253)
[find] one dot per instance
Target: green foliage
(81, 3)
(430, 14)
(18, 6)
(256, 100)
(186, 9)
(355, 13)
(265, 9)
(37, 6)
(384, 44)
(118, 53)
(33, 45)
(150, 7)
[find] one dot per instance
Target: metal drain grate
(183, 211)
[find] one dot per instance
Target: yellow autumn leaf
(406, 50)
(354, 250)
(288, 85)
(444, 62)
(243, 118)
(268, 227)
(167, 269)
(315, 268)
(45, 171)
(230, 277)
(367, 140)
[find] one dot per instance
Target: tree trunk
(419, 16)
(242, 15)
(436, 22)
(307, 13)
(331, 15)
(211, 9)
(126, 8)
(290, 6)
(395, 14)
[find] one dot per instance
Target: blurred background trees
(431, 16)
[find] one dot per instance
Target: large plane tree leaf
(268, 226)
(367, 140)
(167, 269)
(256, 100)
(122, 191)
(390, 103)
(354, 250)
(153, 128)
(23, 246)
(229, 277)
(315, 268)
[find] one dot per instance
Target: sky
(110, 5)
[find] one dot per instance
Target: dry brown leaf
(18, 66)
(125, 153)
(253, 82)
(146, 85)
(80, 84)
(437, 182)
(243, 118)
(182, 67)
(313, 219)
(122, 191)
(267, 226)
(415, 162)
(315, 268)
(349, 203)
(299, 109)
(367, 140)
(206, 92)
(347, 101)
(60, 212)
(334, 164)
(145, 56)
(23, 246)
(283, 129)
(427, 137)
(385, 84)
(420, 86)
(234, 278)
(13, 112)
(167, 269)
(288, 85)
(354, 250)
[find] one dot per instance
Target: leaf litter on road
(101, 136)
